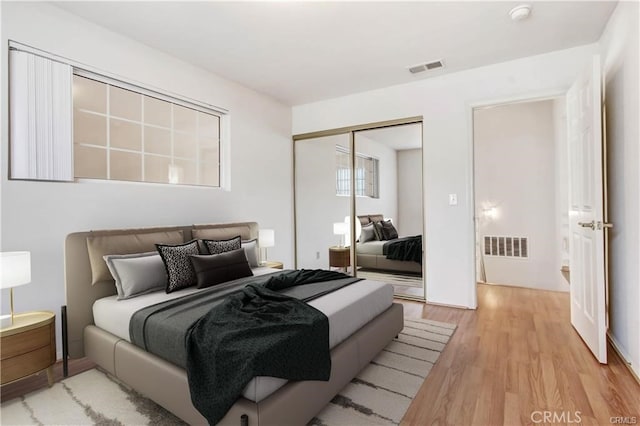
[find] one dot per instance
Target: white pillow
(251, 250)
(137, 273)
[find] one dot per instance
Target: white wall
(409, 192)
(387, 203)
(37, 216)
(445, 104)
(317, 205)
(514, 149)
(619, 46)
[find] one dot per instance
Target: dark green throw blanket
(408, 248)
(260, 331)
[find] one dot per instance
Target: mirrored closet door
(322, 203)
(359, 203)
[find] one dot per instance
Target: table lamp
(266, 238)
(340, 228)
(15, 270)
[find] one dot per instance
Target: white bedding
(348, 309)
(370, 247)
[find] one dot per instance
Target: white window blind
(41, 145)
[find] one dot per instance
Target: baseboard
(445, 305)
(622, 355)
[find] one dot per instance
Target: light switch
(453, 199)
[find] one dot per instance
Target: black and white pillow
(388, 230)
(179, 268)
(377, 228)
(222, 246)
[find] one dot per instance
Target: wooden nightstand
(273, 264)
(28, 346)
(340, 257)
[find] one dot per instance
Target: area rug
(379, 395)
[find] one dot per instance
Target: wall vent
(506, 246)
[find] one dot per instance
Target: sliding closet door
(388, 189)
(322, 202)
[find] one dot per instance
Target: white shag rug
(379, 395)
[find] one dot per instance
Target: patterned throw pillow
(178, 264)
(222, 246)
(388, 230)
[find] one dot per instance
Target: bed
(266, 401)
(371, 253)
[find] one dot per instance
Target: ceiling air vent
(415, 69)
(434, 65)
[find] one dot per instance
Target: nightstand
(274, 265)
(28, 346)
(340, 257)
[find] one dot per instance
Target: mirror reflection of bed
(383, 254)
(391, 207)
(382, 162)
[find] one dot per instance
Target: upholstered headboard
(87, 279)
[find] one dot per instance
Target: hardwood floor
(515, 356)
(515, 360)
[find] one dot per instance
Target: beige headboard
(80, 293)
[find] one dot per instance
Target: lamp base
(5, 321)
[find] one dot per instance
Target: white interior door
(586, 210)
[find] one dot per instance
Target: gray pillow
(176, 261)
(251, 250)
(219, 268)
(137, 273)
(368, 233)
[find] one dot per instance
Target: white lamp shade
(340, 228)
(15, 268)
(266, 238)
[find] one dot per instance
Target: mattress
(370, 247)
(348, 309)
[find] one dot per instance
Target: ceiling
(299, 51)
(405, 136)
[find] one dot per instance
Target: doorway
(521, 194)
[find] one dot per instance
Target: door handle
(602, 225)
(591, 224)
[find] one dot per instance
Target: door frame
(351, 130)
(521, 98)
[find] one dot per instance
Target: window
(122, 134)
(366, 174)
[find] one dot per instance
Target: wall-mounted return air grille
(506, 246)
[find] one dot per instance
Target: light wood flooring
(515, 355)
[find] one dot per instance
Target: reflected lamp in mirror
(15, 270)
(340, 228)
(266, 238)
